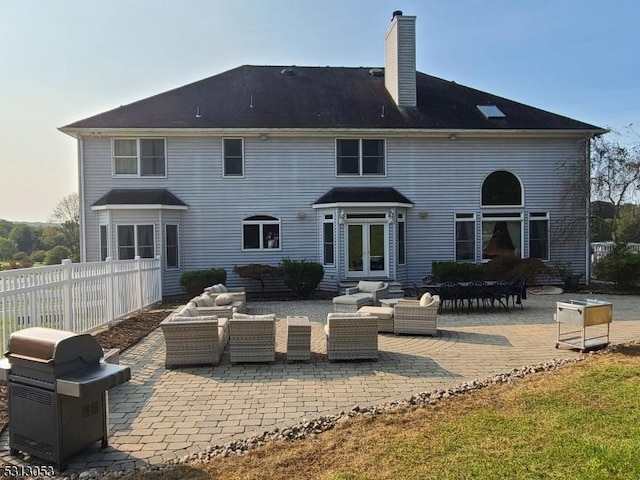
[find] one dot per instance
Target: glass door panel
(376, 248)
(366, 249)
(355, 248)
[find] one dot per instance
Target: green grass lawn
(579, 422)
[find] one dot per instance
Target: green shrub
(20, 256)
(38, 256)
(456, 272)
(195, 281)
(301, 276)
(56, 255)
(621, 267)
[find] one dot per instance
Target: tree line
(615, 188)
(24, 245)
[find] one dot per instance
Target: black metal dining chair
(518, 291)
(500, 293)
(476, 291)
(450, 293)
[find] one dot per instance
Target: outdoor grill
(586, 323)
(57, 392)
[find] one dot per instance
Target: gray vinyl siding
(284, 176)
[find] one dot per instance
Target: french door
(366, 250)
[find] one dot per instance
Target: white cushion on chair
(369, 287)
(224, 299)
(244, 316)
(222, 288)
(425, 299)
(204, 300)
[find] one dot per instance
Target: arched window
(260, 232)
(501, 188)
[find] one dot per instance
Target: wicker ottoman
(384, 315)
(351, 303)
(298, 338)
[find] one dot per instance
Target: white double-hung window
(139, 157)
(363, 157)
(135, 240)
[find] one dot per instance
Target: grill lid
(47, 345)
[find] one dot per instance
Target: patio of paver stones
(161, 414)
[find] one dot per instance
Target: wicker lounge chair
(365, 293)
(351, 336)
(194, 340)
(252, 338)
(410, 317)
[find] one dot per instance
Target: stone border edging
(309, 428)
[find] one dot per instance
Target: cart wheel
(14, 451)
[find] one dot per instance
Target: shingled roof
(321, 97)
(363, 195)
(139, 196)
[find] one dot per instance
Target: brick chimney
(400, 60)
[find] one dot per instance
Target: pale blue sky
(62, 61)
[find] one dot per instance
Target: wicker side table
(298, 338)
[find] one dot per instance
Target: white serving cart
(583, 324)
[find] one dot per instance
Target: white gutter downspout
(587, 155)
(83, 237)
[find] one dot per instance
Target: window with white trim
(361, 157)
(172, 257)
(501, 235)
(139, 157)
(261, 232)
(104, 243)
(402, 239)
(465, 237)
(233, 157)
(539, 235)
(501, 188)
(135, 240)
(328, 240)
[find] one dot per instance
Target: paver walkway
(163, 414)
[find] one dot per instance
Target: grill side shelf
(91, 380)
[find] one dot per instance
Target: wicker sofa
(238, 293)
(224, 305)
(194, 339)
(417, 317)
(351, 336)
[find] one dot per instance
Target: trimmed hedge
(301, 276)
(498, 268)
(456, 272)
(195, 281)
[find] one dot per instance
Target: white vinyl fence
(78, 297)
(600, 250)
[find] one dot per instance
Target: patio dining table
(456, 294)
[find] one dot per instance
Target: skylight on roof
(491, 111)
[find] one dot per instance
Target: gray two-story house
(373, 172)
